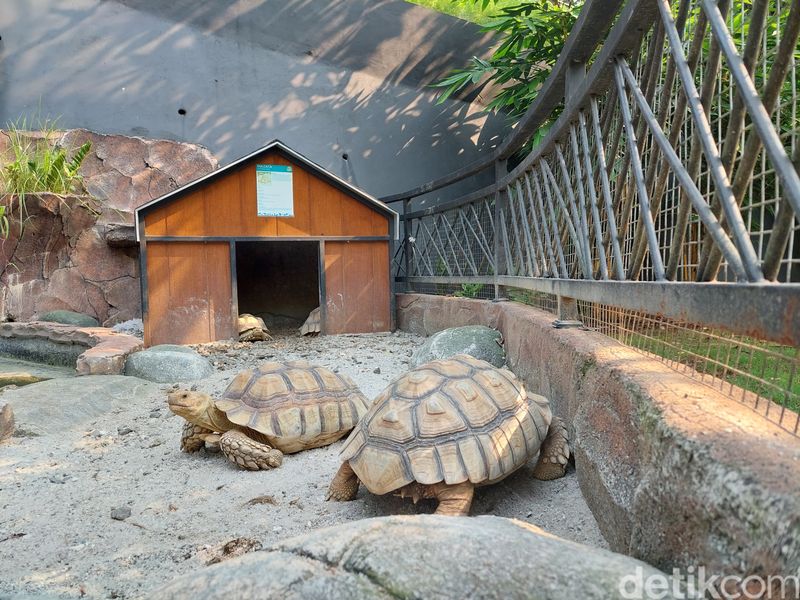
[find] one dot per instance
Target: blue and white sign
(274, 195)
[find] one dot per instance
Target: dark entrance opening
(278, 281)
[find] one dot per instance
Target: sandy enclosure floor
(57, 491)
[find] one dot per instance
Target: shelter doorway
(278, 281)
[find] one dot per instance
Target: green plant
(36, 164)
(469, 290)
(3, 222)
(532, 36)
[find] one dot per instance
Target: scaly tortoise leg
(344, 486)
(193, 437)
(248, 453)
(454, 500)
(554, 453)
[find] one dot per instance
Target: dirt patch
(58, 536)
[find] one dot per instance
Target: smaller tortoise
(279, 407)
(313, 323)
(252, 329)
(448, 426)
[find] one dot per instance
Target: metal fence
(662, 207)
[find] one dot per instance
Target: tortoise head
(192, 406)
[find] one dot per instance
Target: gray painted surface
(327, 77)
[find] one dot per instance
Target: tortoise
(313, 323)
(448, 426)
(280, 407)
(252, 328)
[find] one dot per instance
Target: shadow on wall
(332, 79)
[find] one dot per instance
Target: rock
(168, 363)
(476, 340)
(60, 478)
(121, 513)
(124, 430)
(6, 423)
(68, 317)
(377, 370)
(120, 235)
(134, 327)
(425, 556)
(70, 404)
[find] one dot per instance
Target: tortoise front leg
(193, 437)
(248, 453)
(554, 453)
(454, 500)
(345, 484)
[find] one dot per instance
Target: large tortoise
(445, 427)
(281, 407)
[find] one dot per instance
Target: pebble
(121, 513)
(377, 370)
(59, 478)
(154, 414)
(124, 430)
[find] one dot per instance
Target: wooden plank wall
(188, 293)
(357, 287)
(227, 207)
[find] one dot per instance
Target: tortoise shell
(448, 420)
(294, 404)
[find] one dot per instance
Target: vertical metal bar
(579, 216)
(565, 212)
(706, 138)
(606, 187)
(520, 252)
(546, 226)
(755, 108)
(143, 279)
(553, 222)
(537, 227)
(636, 163)
(407, 227)
(688, 185)
(598, 228)
(509, 260)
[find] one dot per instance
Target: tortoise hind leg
(248, 453)
(454, 500)
(345, 483)
(554, 453)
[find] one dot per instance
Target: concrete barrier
(676, 473)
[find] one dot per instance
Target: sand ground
(58, 491)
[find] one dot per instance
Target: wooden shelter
(217, 247)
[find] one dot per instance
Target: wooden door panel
(356, 287)
(188, 293)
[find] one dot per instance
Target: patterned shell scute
(294, 400)
(448, 420)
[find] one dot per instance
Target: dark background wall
(327, 77)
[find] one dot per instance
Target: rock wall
(675, 472)
(59, 258)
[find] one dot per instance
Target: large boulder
(425, 556)
(479, 341)
(69, 317)
(168, 364)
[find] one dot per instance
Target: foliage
(36, 165)
(532, 36)
(469, 290)
(469, 10)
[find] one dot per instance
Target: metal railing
(666, 191)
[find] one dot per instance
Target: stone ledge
(675, 472)
(105, 350)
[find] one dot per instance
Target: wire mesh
(763, 375)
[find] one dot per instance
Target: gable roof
(283, 148)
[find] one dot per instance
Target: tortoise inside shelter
(278, 281)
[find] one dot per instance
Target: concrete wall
(328, 78)
(675, 472)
